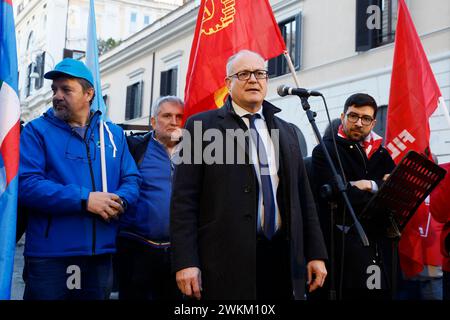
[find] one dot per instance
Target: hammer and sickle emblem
(217, 15)
(209, 10)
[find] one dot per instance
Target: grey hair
(237, 55)
(171, 99)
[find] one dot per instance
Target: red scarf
(370, 144)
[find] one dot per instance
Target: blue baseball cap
(73, 68)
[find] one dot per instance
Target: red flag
(420, 242)
(441, 212)
(414, 96)
(223, 28)
(414, 93)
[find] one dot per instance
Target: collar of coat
(94, 117)
(269, 110)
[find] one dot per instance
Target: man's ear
(228, 83)
(153, 122)
(90, 93)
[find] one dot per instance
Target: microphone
(284, 90)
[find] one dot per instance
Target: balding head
(247, 80)
(238, 55)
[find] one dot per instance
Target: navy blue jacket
(148, 219)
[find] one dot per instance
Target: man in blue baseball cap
(72, 225)
(70, 72)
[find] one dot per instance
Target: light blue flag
(92, 63)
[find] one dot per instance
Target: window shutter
(173, 81)
(28, 86)
(128, 111)
(298, 42)
(138, 102)
(164, 83)
(39, 69)
(365, 37)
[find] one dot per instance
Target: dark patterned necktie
(266, 183)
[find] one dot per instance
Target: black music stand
(390, 209)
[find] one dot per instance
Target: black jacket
(356, 166)
(214, 212)
(137, 143)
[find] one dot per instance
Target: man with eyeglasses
(245, 230)
(365, 164)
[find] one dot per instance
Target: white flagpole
(294, 75)
(291, 68)
(102, 156)
(92, 63)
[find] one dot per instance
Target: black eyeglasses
(365, 120)
(246, 74)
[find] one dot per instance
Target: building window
(39, 71)
(134, 101)
(74, 54)
(376, 21)
(380, 127)
(290, 30)
(146, 20)
(133, 19)
(28, 80)
(169, 82)
(20, 8)
(30, 41)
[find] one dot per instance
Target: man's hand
(316, 268)
(386, 176)
(189, 281)
(364, 185)
(107, 205)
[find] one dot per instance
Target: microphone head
(282, 90)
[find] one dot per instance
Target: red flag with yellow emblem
(223, 28)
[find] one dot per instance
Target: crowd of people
(222, 208)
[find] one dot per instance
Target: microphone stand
(337, 179)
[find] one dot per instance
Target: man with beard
(72, 225)
(365, 163)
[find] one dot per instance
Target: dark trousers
(68, 278)
(144, 272)
(423, 289)
(446, 286)
(273, 274)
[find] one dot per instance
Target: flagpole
(93, 65)
(102, 156)
(291, 68)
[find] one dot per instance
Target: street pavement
(18, 285)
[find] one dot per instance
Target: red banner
(414, 96)
(414, 93)
(223, 28)
(440, 210)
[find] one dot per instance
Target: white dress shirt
(263, 131)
